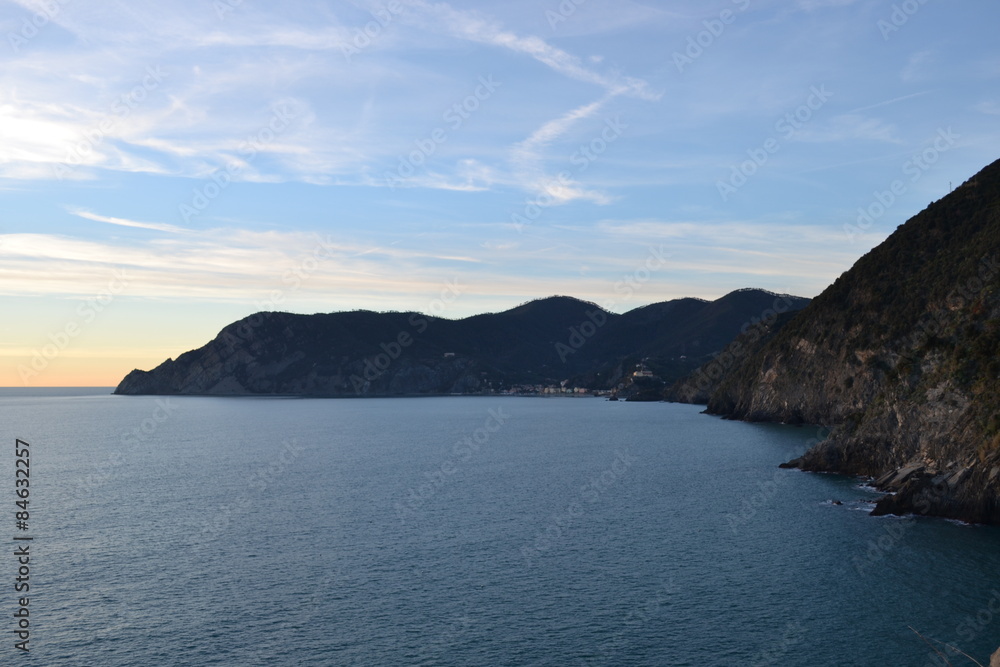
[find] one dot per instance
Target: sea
(460, 531)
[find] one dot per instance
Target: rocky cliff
(902, 355)
(698, 387)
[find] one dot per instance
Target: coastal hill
(548, 341)
(902, 355)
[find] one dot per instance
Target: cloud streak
(122, 222)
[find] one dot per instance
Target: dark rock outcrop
(700, 385)
(902, 355)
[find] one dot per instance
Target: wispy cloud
(918, 66)
(70, 120)
(527, 158)
(895, 100)
(157, 226)
(849, 127)
(812, 5)
(528, 155)
(476, 27)
(216, 264)
(991, 107)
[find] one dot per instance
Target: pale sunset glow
(168, 169)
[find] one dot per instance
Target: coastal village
(624, 388)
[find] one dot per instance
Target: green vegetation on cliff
(902, 355)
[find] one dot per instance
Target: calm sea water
(464, 531)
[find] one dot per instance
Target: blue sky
(178, 165)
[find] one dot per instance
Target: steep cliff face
(705, 381)
(902, 355)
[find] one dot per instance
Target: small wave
(860, 505)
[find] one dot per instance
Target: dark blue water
(465, 531)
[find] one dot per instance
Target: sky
(169, 167)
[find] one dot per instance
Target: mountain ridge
(364, 353)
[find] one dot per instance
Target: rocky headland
(901, 356)
(557, 341)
